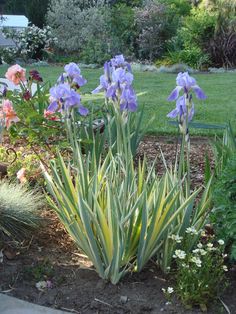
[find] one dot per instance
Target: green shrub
(224, 213)
(193, 57)
(19, 210)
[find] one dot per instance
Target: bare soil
(76, 287)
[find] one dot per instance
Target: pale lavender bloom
(128, 100)
(73, 71)
(119, 62)
(181, 109)
(186, 82)
(120, 79)
(64, 97)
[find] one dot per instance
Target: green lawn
(153, 89)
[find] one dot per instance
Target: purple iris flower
(119, 62)
(128, 100)
(186, 82)
(64, 97)
(73, 71)
(181, 109)
(120, 79)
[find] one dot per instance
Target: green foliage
(224, 213)
(193, 57)
(156, 23)
(223, 149)
(19, 210)
(200, 275)
(30, 162)
(123, 30)
(40, 271)
(110, 209)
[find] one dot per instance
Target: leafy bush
(210, 28)
(193, 57)
(31, 43)
(224, 213)
(92, 41)
(19, 210)
(156, 23)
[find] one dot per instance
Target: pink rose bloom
(16, 74)
(9, 113)
(21, 175)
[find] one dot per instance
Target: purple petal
(174, 94)
(97, 89)
(80, 80)
(53, 106)
(173, 114)
(123, 106)
(111, 91)
(83, 111)
(191, 113)
(199, 92)
(132, 106)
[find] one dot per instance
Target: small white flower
(209, 245)
(170, 290)
(191, 230)
(203, 233)
(221, 242)
(199, 245)
(197, 261)
(203, 252)
(164, 290)
(225, 268)
(196, 251)
(176, 238)
(179, 254)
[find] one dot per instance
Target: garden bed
(76, 287)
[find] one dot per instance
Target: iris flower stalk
(184, 111)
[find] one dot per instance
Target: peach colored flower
(21, 175)
(16, 74)
(9, 113)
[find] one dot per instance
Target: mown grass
(153, 89)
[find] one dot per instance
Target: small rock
(123, 299)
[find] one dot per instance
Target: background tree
(35, 10)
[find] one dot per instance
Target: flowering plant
(122, 125)
(31, 43)
(24, 110)
(200, 273)
(184, 111)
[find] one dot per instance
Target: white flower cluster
(30, 41)
(179, 254)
